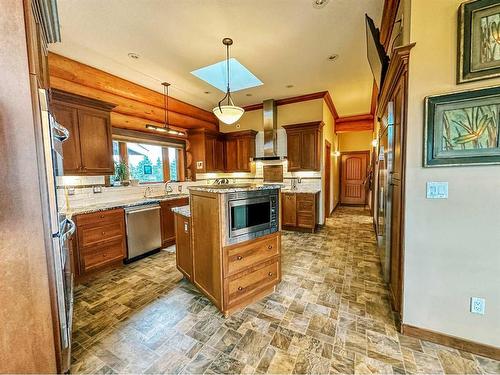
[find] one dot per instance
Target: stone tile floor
(330, 314)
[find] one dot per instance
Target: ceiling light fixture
(166, 127)
(249, 94)
(229, 113)
(318, 4)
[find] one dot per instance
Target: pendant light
(228, 113)
(166, 127)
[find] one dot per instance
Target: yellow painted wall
(330, 136)
(355, 141)
(294, 113)
(452, 246)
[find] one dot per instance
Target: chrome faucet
(167, 188)
(147, 191)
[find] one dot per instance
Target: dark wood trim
(301, 98)
(355, 123)
(166, 164)
(241, 133)
(319, 124)
(373, 104)
(388, 19)
(181, 141)
(327, 161)
(79, 100)
(366, 116)
(455, 342)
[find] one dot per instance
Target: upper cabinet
(218, 152)
(240, 148)
(88, 151)
(304, 146)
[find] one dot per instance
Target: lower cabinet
(100, 240)
(183, 248)
(167, 220)
(299, 211)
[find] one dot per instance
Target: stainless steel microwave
(252, 214)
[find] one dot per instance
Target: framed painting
(462, 128)
(479, 40)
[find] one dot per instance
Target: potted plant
(121, 174)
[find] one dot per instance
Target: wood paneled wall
(136, 105)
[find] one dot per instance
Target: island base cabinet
(183, 248)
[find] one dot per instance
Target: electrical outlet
(477, 305)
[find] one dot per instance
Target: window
(147, 162)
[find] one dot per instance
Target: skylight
(215, 75)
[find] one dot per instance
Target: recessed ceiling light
(134, 56)
(333, 57)
(289, 86)
(319, 3)
(206, 92)
(249, 94)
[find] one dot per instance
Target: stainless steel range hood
(270, 132)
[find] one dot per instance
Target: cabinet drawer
(305, 197)
(256, 279)
(102, 255)
(98, 234)
(305, 206)
(305, 220)
(241, 257)
(102, 217)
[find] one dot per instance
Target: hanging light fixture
(166, 127)
(228, 113)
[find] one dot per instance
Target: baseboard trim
(454, 342)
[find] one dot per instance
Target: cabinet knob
(239, 257)
(103, 233)
(270, 273)
(269, 247)
(102, 216)
(240, 288)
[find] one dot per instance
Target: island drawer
(101, 255)
(252, 281)
(239, 257)
(100, 217)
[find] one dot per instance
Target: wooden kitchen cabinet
(167, 220)
(299, 211)
(240, 148)
(88, 151)
(183, 248)
(100, 240)
(304, 146)
(289, 213)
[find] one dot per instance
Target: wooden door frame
(367, 153)
(328, 161)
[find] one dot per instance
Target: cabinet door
(68, 117)
(183, 254)
(309, 155)
(95, 142)
(167, 220)
(209, 154)
(289, 211)
(293, 142)
(219, 154)
(231, 155)
(244, 154)
(306, 210)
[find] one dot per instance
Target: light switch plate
(437, 190)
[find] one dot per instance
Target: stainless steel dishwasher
(143, 231)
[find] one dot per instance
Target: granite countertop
(183, 210)
(232, 188)
(120, 204)
(302, 190)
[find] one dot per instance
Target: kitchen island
(235, 243)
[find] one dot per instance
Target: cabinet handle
(240, 288)
(239, 257)
(270, 273)
(270, 247)
(102, 216)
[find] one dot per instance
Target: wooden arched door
(352, 177)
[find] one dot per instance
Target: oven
(252, 214)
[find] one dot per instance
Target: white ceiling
(281, 41)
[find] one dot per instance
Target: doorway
(328, 162)
(353, 169)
